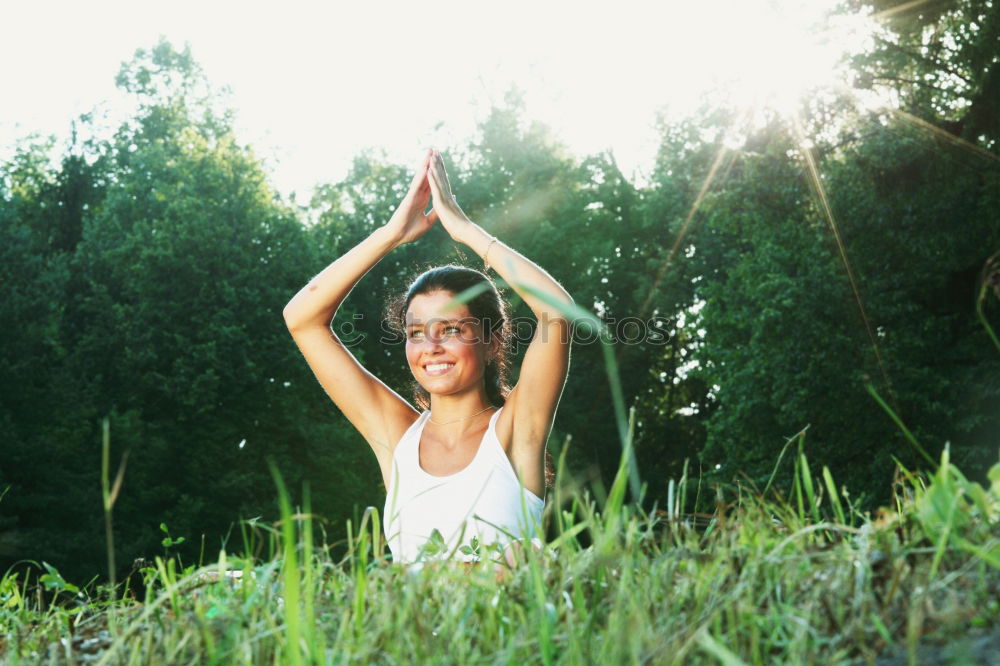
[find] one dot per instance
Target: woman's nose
(432, 344)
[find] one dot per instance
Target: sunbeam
(898, 9)
(940, 133)
(824, 202)
(665, 266)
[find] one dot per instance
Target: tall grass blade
(289, 573)
(797, 483)
(625, 426)
(616, 497)
(943, 491)
(109, 495)
(807, 484)
(682, 490)
(899, 422)
(313, 639)
(831, 489)
(781, 455)
(982, 316)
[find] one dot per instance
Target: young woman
(470, 468)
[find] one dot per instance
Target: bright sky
(314, 83)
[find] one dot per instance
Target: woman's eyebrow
(456, 320)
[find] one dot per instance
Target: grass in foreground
(763, 580)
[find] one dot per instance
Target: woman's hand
(409, 222)
(452, 218)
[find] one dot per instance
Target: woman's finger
(417, 182)
(433, 182)
(439, 171)
(421, 172)
(439, 161)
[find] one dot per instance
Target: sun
(775, 55)
(634, 60)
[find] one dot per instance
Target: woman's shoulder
(405, 424)
(515, 431)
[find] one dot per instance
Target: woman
(470, 469)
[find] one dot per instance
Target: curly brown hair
(487, 305)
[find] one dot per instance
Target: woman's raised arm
(379, 413)
(533, 401)
(317, 302)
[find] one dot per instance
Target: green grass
(761, 580)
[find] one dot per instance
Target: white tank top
(484, 500)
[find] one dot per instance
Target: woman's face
(444, 347)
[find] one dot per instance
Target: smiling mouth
(435, 369)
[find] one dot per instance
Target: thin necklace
(457, 420)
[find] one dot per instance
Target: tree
(165, 315)
(916, 216)
(44, 408)
(941, 58)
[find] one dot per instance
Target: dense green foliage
(152, 292)
(142, 277)
(914, 212)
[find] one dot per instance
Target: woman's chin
(444, 387)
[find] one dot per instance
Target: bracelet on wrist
(486, 261)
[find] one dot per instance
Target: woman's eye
(453, 329)
(416, 334)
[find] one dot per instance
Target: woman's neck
(458, 412)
